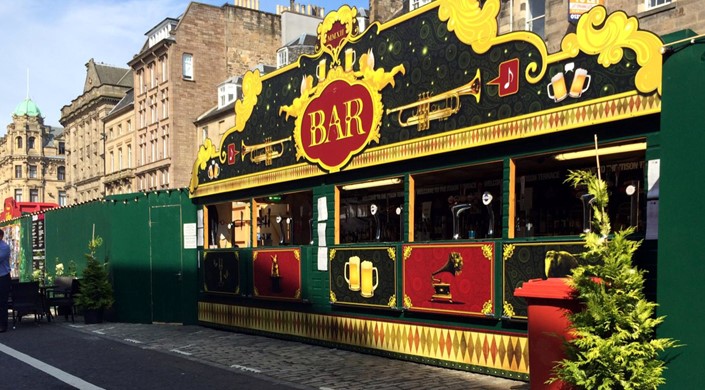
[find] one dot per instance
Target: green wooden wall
(681, 265)
(154, 277)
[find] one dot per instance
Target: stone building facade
(120, 147)
(104, 87)
(175, 74)
(32, 158)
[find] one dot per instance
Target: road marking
(243, 368)
(51, 370)
(102, 331)
(181, 352)
(133, 341)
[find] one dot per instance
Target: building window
(61, 173)
(19, 142)
(282, 57)
(187, 64)
(120, 159)
(164, 69)
(153, 76)
(141, 80)
(18, 195)
(536, 17)
(62, 148)
(129, 156)
(30, 143)
(34, 195)
(112, 162)
(205, 132)
(18, 171)
(656, 3)
(32, 171)
(165, 142)
(62, 198)
(129, 126)
(413, 4)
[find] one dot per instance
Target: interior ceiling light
(369, 184)
(601, 151)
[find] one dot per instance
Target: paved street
(298, 364)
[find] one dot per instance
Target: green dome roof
(27, 107)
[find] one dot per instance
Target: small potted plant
(96, 293)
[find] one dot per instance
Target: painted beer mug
(560, 91)
(350, 58)
(352, 273)
(368, 273)
(581, 83)
(321, 70)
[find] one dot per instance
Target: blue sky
(55, 39)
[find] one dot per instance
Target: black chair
(26, 299)
(61, 296)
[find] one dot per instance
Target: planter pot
(93, 316)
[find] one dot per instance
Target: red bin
(550, 301)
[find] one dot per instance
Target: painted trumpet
(430, 108)
(264, 151)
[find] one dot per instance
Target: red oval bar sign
(337, 125)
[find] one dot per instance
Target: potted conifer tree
(96, 292)
(615, 344)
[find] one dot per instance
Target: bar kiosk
(389, 192)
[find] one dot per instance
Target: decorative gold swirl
(347, 17)
(392, 301)
(607, 36)
(508, 251)
(487, 308)
(407, 252)
(331, 254)
(205, 153)
(333, 298)
(392, 253)
(297, 255)
(297, 295)
(508, 310)
(488, 252)
(407, 301)
(477, 27)
(251, 88)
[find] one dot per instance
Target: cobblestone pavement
(302, 365)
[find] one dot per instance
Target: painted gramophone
(453, 266)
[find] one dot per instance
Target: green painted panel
(130, 259)
(681, 213)
(165, 261)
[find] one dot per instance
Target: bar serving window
(371, 211)
(547, 206)
(283, 219)
(460, 203)
(228, 225)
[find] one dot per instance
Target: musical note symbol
(511, 78)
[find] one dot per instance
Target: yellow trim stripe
(483, 349)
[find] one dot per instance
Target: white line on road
(51, 370)
(243, 368)
(133, 341)
(181, 352)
